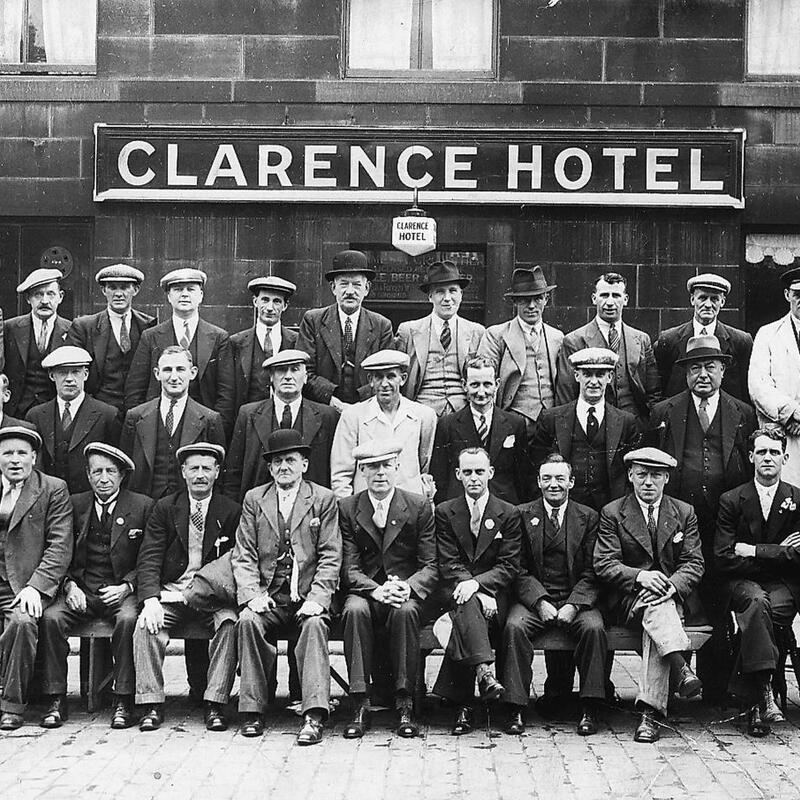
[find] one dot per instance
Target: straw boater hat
(528, 283)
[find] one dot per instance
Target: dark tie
(66, 417)
(268, 350)
(197, 518)
(169, 422)
(348, 339)
(703, 332)
(613, 339)
(702, 415)
(445, 337)
(651, 523)
(41, 342)
(286, 417)
(592, 425)
(554, 520)
(483, 428)
(105, 514)
(185, 340)
(124, 336)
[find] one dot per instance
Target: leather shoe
(689, 684)
(490, 688)
(463, 721)
(10, 721)
(57, 713)
(587, 726)
(770, 712)
(756, 726)
(515, 724)
(122, 715)
(360, 723)
(252, 725)
(152, 719)
(215, 718)
(311, 732)
(406, 724)
(648, 731)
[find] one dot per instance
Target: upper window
(440, 38)
(48, 35)
(773, 28)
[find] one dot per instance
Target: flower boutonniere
(489, 524)
(134, 533)
(314, 523)
(535, 521)
(677, 538)
(220, 541)
(788, 505)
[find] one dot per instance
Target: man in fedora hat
(286, 564)
(112, 335)
(339, 337)
(439, 344)
(266, 338)
(108, 521)
(525, 348)
(213, 384)
(707, 295)
(706, 430)
(29, 338)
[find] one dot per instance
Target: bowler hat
(528, 283)
(440, 272)
(286, 440)
(349, 261)
(699, 348)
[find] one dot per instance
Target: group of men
(205, 469)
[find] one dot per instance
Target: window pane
(380, 34)
(462, 34)
(66, 31)
(772, 32)
(11, 31)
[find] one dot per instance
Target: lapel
(213, 526)
(723, 334)
(593, 336)
(501, 428)
(269, 506)
(685, 332)
(302, 505)
(678, 421)
(464, 339)
(87, 416)
(83, 523)
(364, 336)
(22, 338)
(565, 422)
(776, 515)
(205, 346)
(147, 430)
(552, 350)
(262, 421)
(632, 348)
(613, 433)
(634, 523)
(421, 335)
(193, 419)
(364, 513)
(31, 490)
(311, 420)
(751, 510)
(486, 534)
(48, 426)
(180, 518)
(460, 525)
(730, 416)
(515, 341)
(118, 521)
(668, 523)
(464, 426)
(102, 330)
(536, 531)
(396, 517)
(785, 334)
(332, 335)
(248, 344)
(574, 533)
(285, 338)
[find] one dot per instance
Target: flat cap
(273, 283)
(201, 449)
(67, 356)
(700, 348)
(376, 450)
(708, 280)
(386, 359)
(119, 273)
(791, 278)
(18, 432)
(185, 275)
(286, 440)
(594, 358)
(285, 357)
(348, 261)
(114, 453)
(39, 277)
(650, 457)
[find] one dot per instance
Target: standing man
(186, 531)
(648, 560)
(482, 424)
(707, 295)
(286, 565)
(556, 587)
(71, 420)
(101, 583)
(213, 384)
(153, 432)
(262, 341)
(29, 338)
(35, 551)
(757, 554)
(111, 336)
(635, 387)
(438, 345)
(285, 407)
(478, 538)
(386, 415)
(339, 338)
(389, 572)
(589, 433)
(525, 348)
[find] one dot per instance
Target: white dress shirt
(39, 324)
(353, 320)
(116, 323)
(582, 412)
(766, 495)
(480, 503)
(605, 328)
(294, 407)
(178, 326)
(380, 519)
(645, 506)
(274, 334)
(109, 504)
(74, 405)
(286, 498)
(488, 414)
(711, 408)
(548, 509)
(177, 413)
(11, 494)
(530, 330)
(710, 328)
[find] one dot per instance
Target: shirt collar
(406, 408)
(767, 490)
(582, 411)
(353, 317)
(294, 406)
(713, 404)
(178, 324)
(527, 329)
(204, 504)
(110, 503)
(180, 405)
(38, 323)
(644, 507)
(114, 317)
(559, 509)
(387, 501)
(7, 484)
(274, 333)
(481, 503)
(487, 414)
(710, 328)
(605, 327)
(74, 404)
(437, 323)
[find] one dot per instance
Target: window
(439, 38)
(48, 35)
(773, 27)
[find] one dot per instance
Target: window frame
(774, 77)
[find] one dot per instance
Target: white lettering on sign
(375, 169)
(452, 165)
(402, 166)
(696, 181)
(124, 168)
(560, 168)
(280, 170)
(619, 154)
(315, 164)
(226, 155)
(534, 166)
(174, 178)
(655, 167)
(414, 235)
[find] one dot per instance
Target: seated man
(286, 565)
(478, 539)
(556, 587)
(648, 559)
(186, 530)
(108, 525)
(389, 571)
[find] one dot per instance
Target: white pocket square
(509, 441)
(497, 536)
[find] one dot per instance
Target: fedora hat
(699, 348)
(444, 272)
(528, 283)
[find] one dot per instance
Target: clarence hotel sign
(454, 166)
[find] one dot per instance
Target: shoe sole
(308, 742)
(496, 693)
(251, 734)
(691, 689)
(51, 725)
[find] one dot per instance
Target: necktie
(475, 520)
(613, 339)
(702, 414)
(169, 422)
(445, 338)
(8, 501)
(535, 339)
(124, 336)
(66, 417)
(348, 338)
(286, 417)
(41, 342)
(379, 516)
(185, 340)
(554, 520)
(197, 518)
(483, 428)
(105, 514)
(651, 522)
(703, 332)
(266, 346)
(592, 425)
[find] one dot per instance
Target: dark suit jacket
(139, 431)
(131, 513)
(671, 345)
(164, 553)
(39, 540)
(215, 373)
(321, 337)
(242, 350)
(580, 527)
(17, 333)
(507, 445)
(245, 464)
(407, 548)
(11, 422)
(623, 549)
(96, 422)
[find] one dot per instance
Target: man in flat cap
(590, 433)
(29, 338)
(707, 432)
(72, 419)
(286, 566)
(263, 340)
(385, 415)
(108, 521)
(389, 571)
(213, 384)
(186, 531)
(154, 431)
(525, 348)
(635, 386)
(35, 552)
(339, 337)
(774, 375)
(284, 408)
(438, 345)
(648, 560)
(112, 335)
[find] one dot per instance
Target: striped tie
(445, 337)
(124, 336)
(185, 340)
(613, 339)
(483, 428)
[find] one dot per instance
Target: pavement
(703, 753)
